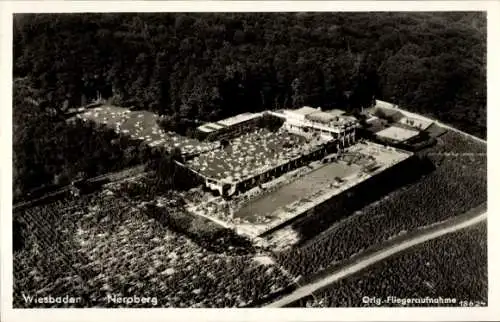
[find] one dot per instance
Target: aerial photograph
(249, 160)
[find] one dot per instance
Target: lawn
(142, 125)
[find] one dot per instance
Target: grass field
(142, 125)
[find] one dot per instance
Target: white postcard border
(290, 314)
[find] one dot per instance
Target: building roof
(205, 128)
(323, 117)
(336, 112)
(335, 118)
(210, 127)
(306, 110)
(230, 121)
(215, 126)
(240, 118)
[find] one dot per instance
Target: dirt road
(371, 259)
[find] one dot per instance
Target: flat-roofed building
(417, 123)
(228, 128)
(328, 124)
(254, 158)
(300, 113)
(238, 119)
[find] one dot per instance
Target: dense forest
(203, 66)
(48, 150)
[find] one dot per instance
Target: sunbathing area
(277, 204)
(250, 154)
(142, 125)
(304, 178)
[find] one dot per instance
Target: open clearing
(142, 125)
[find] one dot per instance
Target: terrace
(322, 120)
(397, 133)
(229, 122)
(142, 125)
(250, 154)
(278, 205)
(324, 183)
(333, 119)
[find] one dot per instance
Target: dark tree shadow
(202, 231)
(18, 235)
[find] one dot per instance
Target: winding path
(370, 259)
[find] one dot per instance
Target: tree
(297, 93)
(193, 68)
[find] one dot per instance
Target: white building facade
(334, 124)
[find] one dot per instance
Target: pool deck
(275, 213)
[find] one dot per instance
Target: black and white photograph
(248, 159)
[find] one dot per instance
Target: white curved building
(328, 124)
